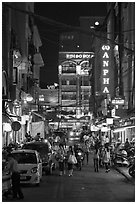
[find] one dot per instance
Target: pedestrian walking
(101, 150)
(60, 158)
(65, 160)
(70, 162)
(107, 159)
(86, 152)
(96, 159)
(12, 166)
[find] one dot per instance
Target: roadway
(83, 186)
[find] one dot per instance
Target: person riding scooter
(79, 156)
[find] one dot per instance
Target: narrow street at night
(83, 186)
(68, 94)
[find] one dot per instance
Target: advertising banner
(107, 71)
(37, 127)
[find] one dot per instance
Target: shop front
(6, 130)
(121, 133)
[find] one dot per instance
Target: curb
(121, 172)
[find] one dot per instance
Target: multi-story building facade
(121, 35)
(21, 61)
(76, 67)
(114, 69)
(74, 80)
(74, 83)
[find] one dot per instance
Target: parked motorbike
(120, 160)
(131, 170)
(131, 166)
(131, 152)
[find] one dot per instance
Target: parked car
(30, 166)
(45, 153)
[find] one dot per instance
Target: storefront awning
(37, 116)
(123, 128)
(6, 119)
(10, 118)
(124, 113)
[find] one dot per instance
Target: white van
(30, 166)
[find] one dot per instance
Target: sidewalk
(124, 172)
(121, 170)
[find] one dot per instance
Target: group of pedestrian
(66, 160)
(101, 157)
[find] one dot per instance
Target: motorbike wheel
(131, 172)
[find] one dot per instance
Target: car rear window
(41, 148)
(25, 158)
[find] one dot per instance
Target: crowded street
(84, 186)
(68, 101)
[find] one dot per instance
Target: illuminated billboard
(107, 72)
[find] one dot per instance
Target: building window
(85, 82)
(69, 82)
(68, 95)
(69, 68)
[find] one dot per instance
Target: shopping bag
(72, 159)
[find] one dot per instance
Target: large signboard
(75, 62)
(105, 69)
(75, 55)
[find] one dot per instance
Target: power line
(65, 26)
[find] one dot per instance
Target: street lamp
(29, 98)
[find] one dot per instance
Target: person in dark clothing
(127, 144)
(96, 160)
(15, 176)
(60, 155)
(86, 150)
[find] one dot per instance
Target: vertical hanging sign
(105, 60)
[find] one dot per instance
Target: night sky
(64, 12)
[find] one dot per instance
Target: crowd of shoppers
(66, 159)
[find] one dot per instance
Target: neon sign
(105, 69)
